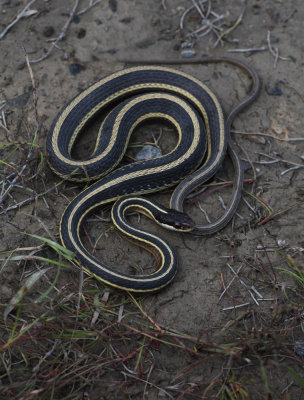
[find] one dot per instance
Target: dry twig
(61, 36)
(297, 139)
(274, 51)
(249, 50)
(92, 4)
(21, 15)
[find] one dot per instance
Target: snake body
(139, 94)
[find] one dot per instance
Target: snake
(131, 97)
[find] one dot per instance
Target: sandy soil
(94, 43)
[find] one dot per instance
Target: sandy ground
(136, 29)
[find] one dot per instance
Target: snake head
(175, 220)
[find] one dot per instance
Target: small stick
(290, 169)
(249, 50)
(62, 34)
(26, 201)
(233, 307)
(36, 368)
(229, 284)
(256, 292)
(19, 16)
(271, 299)
(224, 206)
(232, 28)
(4, 119)
(198, 9)
(276, 159)
(204, 212)
(33, 82)
(181, 22)
(297, 139)
(92, 4)
(249, 206)
(249, 161)
(12, 184)
(149, 374)
(244, 284)
(263, 162)
(274, 51)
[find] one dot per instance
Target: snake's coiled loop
(142, 93)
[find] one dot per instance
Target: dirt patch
(228, 279)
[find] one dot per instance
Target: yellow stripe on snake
(137, 95)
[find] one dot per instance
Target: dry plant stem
(37, 367)
(91, 5)
(297, 139)
(249, 50)
(28, 200)
(198, 9)
(181, 23)
(207, 23)
(249, 161)
(289, 170)
(19, 174)
(230, 283)
(251, 208)
(146, 384)
(276, 159)
(273, 215)
(244, 284)
(237, 306)
(19, 16)
(163, 2)
(224, 206)
(33, 82)
(13, 182)
(233, 27)
(274, 51)
(202, 193)
(4, 124)
(62, 34)
(204, 212)
(149, 383)
(33, 250)
(145, 314)
(43, 225)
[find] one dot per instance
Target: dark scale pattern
(102, 92)
(105, 190)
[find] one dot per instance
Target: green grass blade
(296, 377)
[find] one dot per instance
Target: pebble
(148, 152)
(188, 53)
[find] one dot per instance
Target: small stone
(148, 152)
(188, 53)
